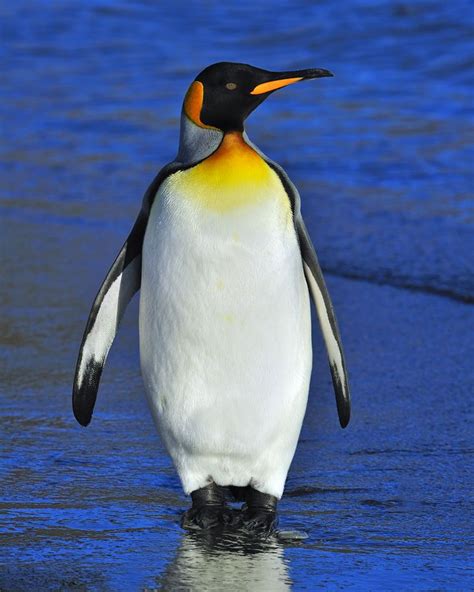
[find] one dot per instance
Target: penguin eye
(231, 86)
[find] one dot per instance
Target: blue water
(382, 153)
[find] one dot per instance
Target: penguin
(226, 269)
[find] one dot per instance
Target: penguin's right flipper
(118, 288)
(121, 283)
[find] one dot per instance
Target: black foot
(260, 513)
(258, 521)
(201, 518)
(208, 509)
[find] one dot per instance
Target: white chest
(225, 276)
(224, 303)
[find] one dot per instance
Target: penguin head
(223, 95)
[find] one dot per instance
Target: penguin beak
(280, 79)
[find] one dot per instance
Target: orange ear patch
(193, 102)
(273, 85)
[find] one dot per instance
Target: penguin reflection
(210, 560)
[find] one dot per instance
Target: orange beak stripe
(273, 85)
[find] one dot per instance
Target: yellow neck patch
(232, 177)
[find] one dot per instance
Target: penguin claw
(202, 518)
(208, 517)
(258, 520)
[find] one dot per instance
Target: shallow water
(382, 154)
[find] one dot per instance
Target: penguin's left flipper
(322, 300)
(327, 320)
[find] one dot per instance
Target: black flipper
(327, 322)
(118, 288)
(322, 302)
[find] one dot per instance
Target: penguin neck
(195, 142)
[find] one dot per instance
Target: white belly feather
(225, 337)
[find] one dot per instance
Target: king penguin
(225, 268)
